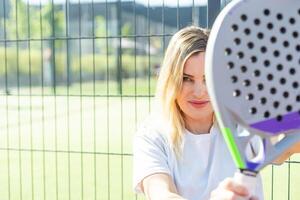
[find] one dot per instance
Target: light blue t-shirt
(205, 160)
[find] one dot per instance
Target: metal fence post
(213, 8)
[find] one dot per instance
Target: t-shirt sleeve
(149, 156)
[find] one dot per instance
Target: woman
(179, 152)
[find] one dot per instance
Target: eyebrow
(184, 74)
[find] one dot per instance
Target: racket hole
(292, 20)
(267, 114)
(292, 71)
(289, 108)
(279, 67)
(256, 21)
(298, 47)
(256, 73)
(279, 16)
(263, 100)
(270, 77)
(273, 90)
(228, 51)
(295, 34)
(263, 49)
(236, 93)
(266, 63)
(295, 85)
(289, 57)
(250, 45)
(247, 31)
(260, 86)
(237, 41)
(279, 118)
(243, 69)
(244, 17)
(270, 26)
(255, 153)
(234, 27)
(250, 97)
(253, 59)
(286, 44)
(275, 104)
(298, 98)
(230, 65)
(285, 94)
(276, 53)
(273, 39)
(283, 30)
(234, 79)
(266, 12)
(253, 110)
(260, 35)
(282, 81)
(240, 55)
(246, 83)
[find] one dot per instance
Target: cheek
(186, 89)
(182, 96)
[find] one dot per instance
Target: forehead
(194, 65)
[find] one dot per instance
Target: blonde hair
(183, 44)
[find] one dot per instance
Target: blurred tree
(27, 21)
(127, 29)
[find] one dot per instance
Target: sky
(169, 3)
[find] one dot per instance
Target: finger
(235, 187)
(254, 198)
(222, 194)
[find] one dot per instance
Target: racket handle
(247, 181)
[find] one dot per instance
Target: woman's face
(193, 99)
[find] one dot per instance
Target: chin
(205, 113)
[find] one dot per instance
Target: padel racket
(253, 78)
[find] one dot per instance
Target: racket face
(254, 62)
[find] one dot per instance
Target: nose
(199, 89)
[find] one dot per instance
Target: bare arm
(160, 186)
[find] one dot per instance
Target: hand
(230, 190)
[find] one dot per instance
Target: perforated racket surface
(253, 75)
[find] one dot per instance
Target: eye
(187, 78)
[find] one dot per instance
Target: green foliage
(127, 29)
(131, 65)
(101, 64)
(19, 62)
(100, 26)
(26, 21)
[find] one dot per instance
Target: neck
(199, 126)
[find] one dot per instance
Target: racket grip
(247, 181)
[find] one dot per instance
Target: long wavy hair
(183, 44)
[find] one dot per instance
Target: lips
(198, 104)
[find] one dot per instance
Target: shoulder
(153, 128)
